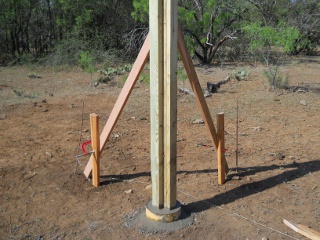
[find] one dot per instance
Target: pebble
(264, 238)
(303, 102)
(198, 121)
(129, 191)
(258, 129)
(235, 178)
(49, 154)
(248, 178)
(149, 186)
(206, 95)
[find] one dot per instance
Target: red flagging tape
(83, 146)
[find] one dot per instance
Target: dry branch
(213, 87)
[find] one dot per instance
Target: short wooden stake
(95, 142)
(221, 149)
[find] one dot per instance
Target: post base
(164, 214)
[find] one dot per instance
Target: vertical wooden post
(221, 149)
(156, 101)
(170, 102)
(163, 110)
(95, 141)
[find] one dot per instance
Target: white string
(238, 215)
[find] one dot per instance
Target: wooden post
(163, 110)
(170, 102)
(95, 142)
(221, 149)
(156, 102)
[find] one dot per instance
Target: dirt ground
(44, 194)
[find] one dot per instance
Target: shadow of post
(248, 189)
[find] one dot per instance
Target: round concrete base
(163, 215)
(139, 221)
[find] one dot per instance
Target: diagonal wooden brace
(122, 99)
(196, 88)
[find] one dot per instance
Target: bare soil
(44, 195)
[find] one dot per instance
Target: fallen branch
(186, 91)
(213, 87)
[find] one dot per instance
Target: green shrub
(276, 78)
(241, 74)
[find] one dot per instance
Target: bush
(276, 79)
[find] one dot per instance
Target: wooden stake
(237, 135)
(95, 141)
(305, 231)
(122, 99)
(221, 149)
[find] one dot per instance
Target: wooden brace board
(305, 231)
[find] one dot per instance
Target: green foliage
(145, 78)
(263, 36)
(217, 19)
(241, 74)
(182, 75)
(276, 78)
(263, 39)
(141, 10)
(86, 61)
(108, 73)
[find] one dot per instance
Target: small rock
(2, 117)
(51, 94)
(129, 191)
(294, 163)
(86, 130)
(149, 186)
(49, 154)
(198, 121)
(248, 178)
(280, 156)
(303, 102)
(96, 84)
(45, 110)
(235, 178)
(264, 238)
(258, 129)
(44, 100)
(207, 94)
(143, 118)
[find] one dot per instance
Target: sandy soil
(44, 195)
